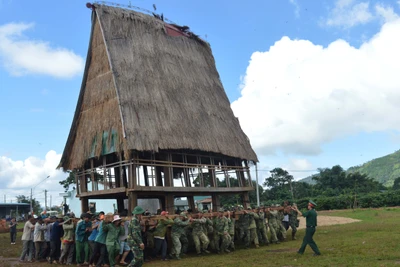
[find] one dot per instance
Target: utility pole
(45, 200)
(50, 202)
(31, 202)
(257, 193)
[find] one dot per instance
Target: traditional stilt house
(152, 118)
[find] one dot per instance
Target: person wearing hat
(311, 224)
(83, 229)
(67, 252)
(135, 240)
(178, 235)
(159, 236)
(114, 230)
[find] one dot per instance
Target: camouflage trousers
(225, 241)
(179, 243)
(231, 241)
(272, 229)
(262, 235)
(293, 226)
(253, 237)
(138, 257)
(201, 241)
(281, 231)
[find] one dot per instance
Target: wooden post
(94, 184)
(215, 202)
(191, 203)
(169, 203)
(246, 200)
(84, 205)
(104, 172)
(117, 177)
(159, 176)
(120, 203)
(132, 203)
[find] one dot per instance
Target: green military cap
(183, 214)
(138, 210)
(204, 211)
(221, 210)
(66, 219)
(312, 203)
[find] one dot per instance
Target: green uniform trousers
(82, 249)
(308, 240)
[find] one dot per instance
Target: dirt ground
(328, 220)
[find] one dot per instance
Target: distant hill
(384, 170)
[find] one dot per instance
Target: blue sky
(314, 83)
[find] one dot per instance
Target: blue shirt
(56, 232)
(101, 236)
(94, 233)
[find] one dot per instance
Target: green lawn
(372, 242)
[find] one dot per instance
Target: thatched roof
(162, 92)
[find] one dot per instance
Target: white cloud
(296, 7)
(18, 177)
(23, 56)
(299, 95)
(386, 13)
(347, 13)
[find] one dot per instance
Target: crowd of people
(114, 239)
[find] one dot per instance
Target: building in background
(17, 210)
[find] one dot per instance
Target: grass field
(375, 241)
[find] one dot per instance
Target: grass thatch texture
(168, 88)
(97, 108)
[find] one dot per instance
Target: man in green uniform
(311, 224)
(178, 235)
(135, 240)
(114, 230)
(231, 232)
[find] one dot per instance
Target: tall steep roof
(167, 90)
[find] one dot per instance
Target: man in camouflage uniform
(262, 227)
(222, 232)
(272, 216)
(280, 231)
(209, 229)
(200, 239)
(135, 240)
(252, 229)
(293, 220)
(231, 232)
(244, 231)
(178, 236)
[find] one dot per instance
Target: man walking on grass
(311, 224)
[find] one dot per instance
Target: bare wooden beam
(178, 190)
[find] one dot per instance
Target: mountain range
(384, 169)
